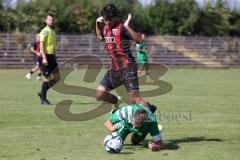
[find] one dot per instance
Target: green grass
(29, 131)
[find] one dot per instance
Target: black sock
(112, 99)
(31, 72)
(107, 97)
(45, 88)
(39, 74)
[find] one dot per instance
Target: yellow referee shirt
(48, 37)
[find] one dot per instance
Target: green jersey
(123, 117)
(141, 53)
(48, 37)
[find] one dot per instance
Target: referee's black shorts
(51, 66)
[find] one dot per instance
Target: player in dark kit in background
(35, 49)
(123, 69)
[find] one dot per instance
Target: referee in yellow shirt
(47, 50)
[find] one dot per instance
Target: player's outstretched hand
(100, 19)
(153, 146)
(126, 23)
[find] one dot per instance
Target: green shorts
(142, 60)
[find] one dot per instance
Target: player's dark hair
(109, 11)
(140, 116)
(49, 14)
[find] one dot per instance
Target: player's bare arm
(110, 127)
(137, 37)
(98, 31)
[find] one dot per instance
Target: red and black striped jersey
(36, 46)
(117, 43)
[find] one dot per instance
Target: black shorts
(37, 60)
(51, 66)
(127, 77)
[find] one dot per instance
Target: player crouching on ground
(139, 121)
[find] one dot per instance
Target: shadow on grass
(126, 153)
(79, 103)
(174, 143)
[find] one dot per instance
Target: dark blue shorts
(37, 60)
(127, 77)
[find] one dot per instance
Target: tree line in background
(163, 17)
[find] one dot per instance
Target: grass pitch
(201, 119)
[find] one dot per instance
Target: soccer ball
(113, 144)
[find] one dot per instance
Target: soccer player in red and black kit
(123, 70)
(35, 49)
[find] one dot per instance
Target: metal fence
(172, 51)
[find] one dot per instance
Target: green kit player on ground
(138, 120)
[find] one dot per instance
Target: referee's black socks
(45, 87)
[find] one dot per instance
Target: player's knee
(99, 95)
